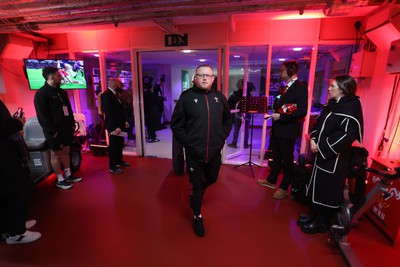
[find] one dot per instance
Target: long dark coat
(338, 126)
(14, 174)
(152, 112)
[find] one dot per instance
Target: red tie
(284, 90)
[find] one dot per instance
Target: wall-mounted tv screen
(72, 72)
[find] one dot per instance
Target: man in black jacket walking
(201, 121)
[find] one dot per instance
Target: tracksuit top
(201, 121)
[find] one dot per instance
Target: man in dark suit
(286, 125)
(115, 122)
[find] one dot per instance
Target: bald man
(115, 122)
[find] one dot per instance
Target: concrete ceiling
(49, 16)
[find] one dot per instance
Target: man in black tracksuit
(201, 121)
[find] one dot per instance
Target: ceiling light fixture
(90, 51)
(281, 59)
(297, 49)
(202, 60)
(186, 51)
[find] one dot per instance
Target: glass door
(247, 78)
(118, 65)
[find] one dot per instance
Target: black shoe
(268, 154)
(115, 170)
(232, 145)
(303, 219)
(63, 185)
(178, 173)
(198, 226)
(123, 164)
(314, 227)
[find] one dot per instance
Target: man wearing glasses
(201, 121)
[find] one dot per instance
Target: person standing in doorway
(159, 92)
(286, 125)
(115, 122)
(201, 122)
(54, 113)
(234, 102)
(152, 113)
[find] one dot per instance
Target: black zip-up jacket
(49, 102)
(201, 121)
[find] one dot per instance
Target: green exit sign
(176, 40)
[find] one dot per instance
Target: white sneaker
(26, 237)
(29, 224)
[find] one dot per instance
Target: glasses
(204, 76)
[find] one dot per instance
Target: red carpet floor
(142, 218)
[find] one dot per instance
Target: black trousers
(14, 211)
(201, 176)
(282, 155)
(115, 150)
(237, 123)
(178, 161)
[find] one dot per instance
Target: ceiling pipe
(34, 16)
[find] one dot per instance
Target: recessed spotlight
(297, 49)
(186, 51)
(281, 59)
(96, 55)
(202, 60)
(236, 56)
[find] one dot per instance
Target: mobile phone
(19, 113)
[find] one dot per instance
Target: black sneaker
(123, 164)
(63, 185)
(73, 179)
(198, 226)
(115, 170)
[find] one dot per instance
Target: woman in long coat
(338, 126)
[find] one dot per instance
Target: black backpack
(357, 176)
(358, 161)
